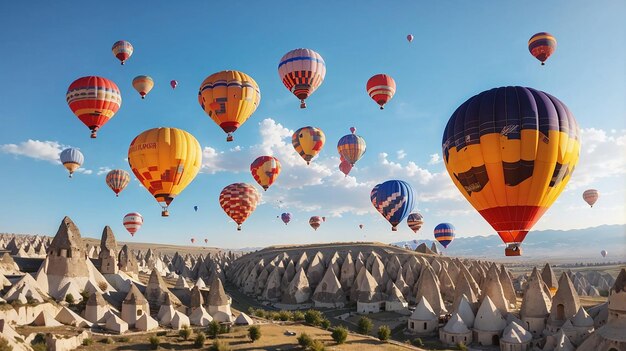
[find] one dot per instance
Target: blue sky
(460, 49)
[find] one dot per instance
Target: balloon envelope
(381, 89)
(71, 159)
(351, 147)
(409, 38)
(143, 85)
(133, 222)
(541, 46)
(117, 180)
(591, 196)
(265, 170)
(308, 142)
(285, 217)
(173, 84)
(195, 208)
(394, 200)
(94, 100)
(165, 161)
(239, 200)
(415, 221)
(302, 72)
(510, 151)
(603, 253)
(345, 167)
(444, 234)
(122, 50)
(315, 222)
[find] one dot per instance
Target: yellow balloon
(229, 98)
(165, 160)
(308, 142)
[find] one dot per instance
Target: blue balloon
(195, 208)
(394, 199)
(444, 233)
(71, 159)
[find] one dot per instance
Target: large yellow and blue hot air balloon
(71, 159)
(229, 98)
(351, 147)
(308, 142)
(394, 199)
(302, 72)
(510, 151)
(444, 234)
(165, 161)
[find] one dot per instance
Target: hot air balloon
(206, 241)
(360, 226)
(409, 38)
(591, 196)
(394, 200)
(315, 222)
(415, 221)
(541, 46)
(165, 161)
(444, 234)
(117, 180)
(603, 253)
(381, 88)
(173, 84)
(143, 85)
(351, 147)
(132, 222)
(71, 159)
(308, 142)
(195, 208)
(94, 100)
(510, 151)
(302, 72)
(229, 98)
(285, 217)
(122, 50)
(265, 170)
(239, 200)
(345, 167)
(193, 240)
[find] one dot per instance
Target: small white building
(423, 321)
(516, 338)
(455, 331)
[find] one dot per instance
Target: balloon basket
(165, 213)
(302, 104)
(513, 250)
(229, 137)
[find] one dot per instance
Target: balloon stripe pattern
(302, 72)
(591, 196)
(132, 222)
(510, 151)
(117, 180)
(444, 233)
(239, 200)
(542, 45)
(122, 50)
(315, 222)
(143, 85)
(94, 100)
(308, 142)
(265, 170)
(165, 161)
(394, 200)
(381, 89)
(415, 221)
(351, 147)
(229, 98)
(285, 217)
(71, 159)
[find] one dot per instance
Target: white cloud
(602, 156)
(434, 159)
(400, 154)
(103, 170)
(84, 171)
(39, 150)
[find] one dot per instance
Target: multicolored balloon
(308, 142)
(315, 222)
(541, 46)
(285, 217)
(229, 98)
(71, 159)
(415, 221)
(302, 72)
(117, 180)
(360, 226)
(345, 167)
(206, 241)
(173, 84)
(591, 196)
(239, 200)
(94, 100)
(444, 234)
(193, 240)
(122, 50)
(604, 253)
(143, 85)
(381, 89)
(510, 151)
(165, 161)
(195, 208)
(351, 147)
(409, 38)
(133, 222)
(265, 170)
(394, 199)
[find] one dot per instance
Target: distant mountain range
(584, 244)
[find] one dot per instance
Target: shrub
(340, 334)
(461, 346)
(107, 341)
(39, 338)
(4, 345)
(123, 339)
(284, 315)
(258, 313)
(40, 346)
(161, 333)
(254, 333)
(185, 332)
(224, 328)
(103, 285)
(364, 326)
(313, 317)
(213, 329)
(417, 342)
(198, 342)
(317, 345)
(218, 345)
(87, 342)
(69, 298)
(154, 342)
(304, 340)
(384, 332)
(298, 316)
(325, 323)
(84, 295)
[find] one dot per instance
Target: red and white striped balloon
(381, 88)
(591, 196)
(132, 222)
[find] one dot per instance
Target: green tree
(325, 323)
(254, 333)
(185, 332)
(213, 329)
(284, 315)
(304, 340)
(384, 332)
(317, 345)
(364, 325)
(313, 317)
(154, 342)
(298, 316)
(69, 298)
(340, 334)
(198, 342)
